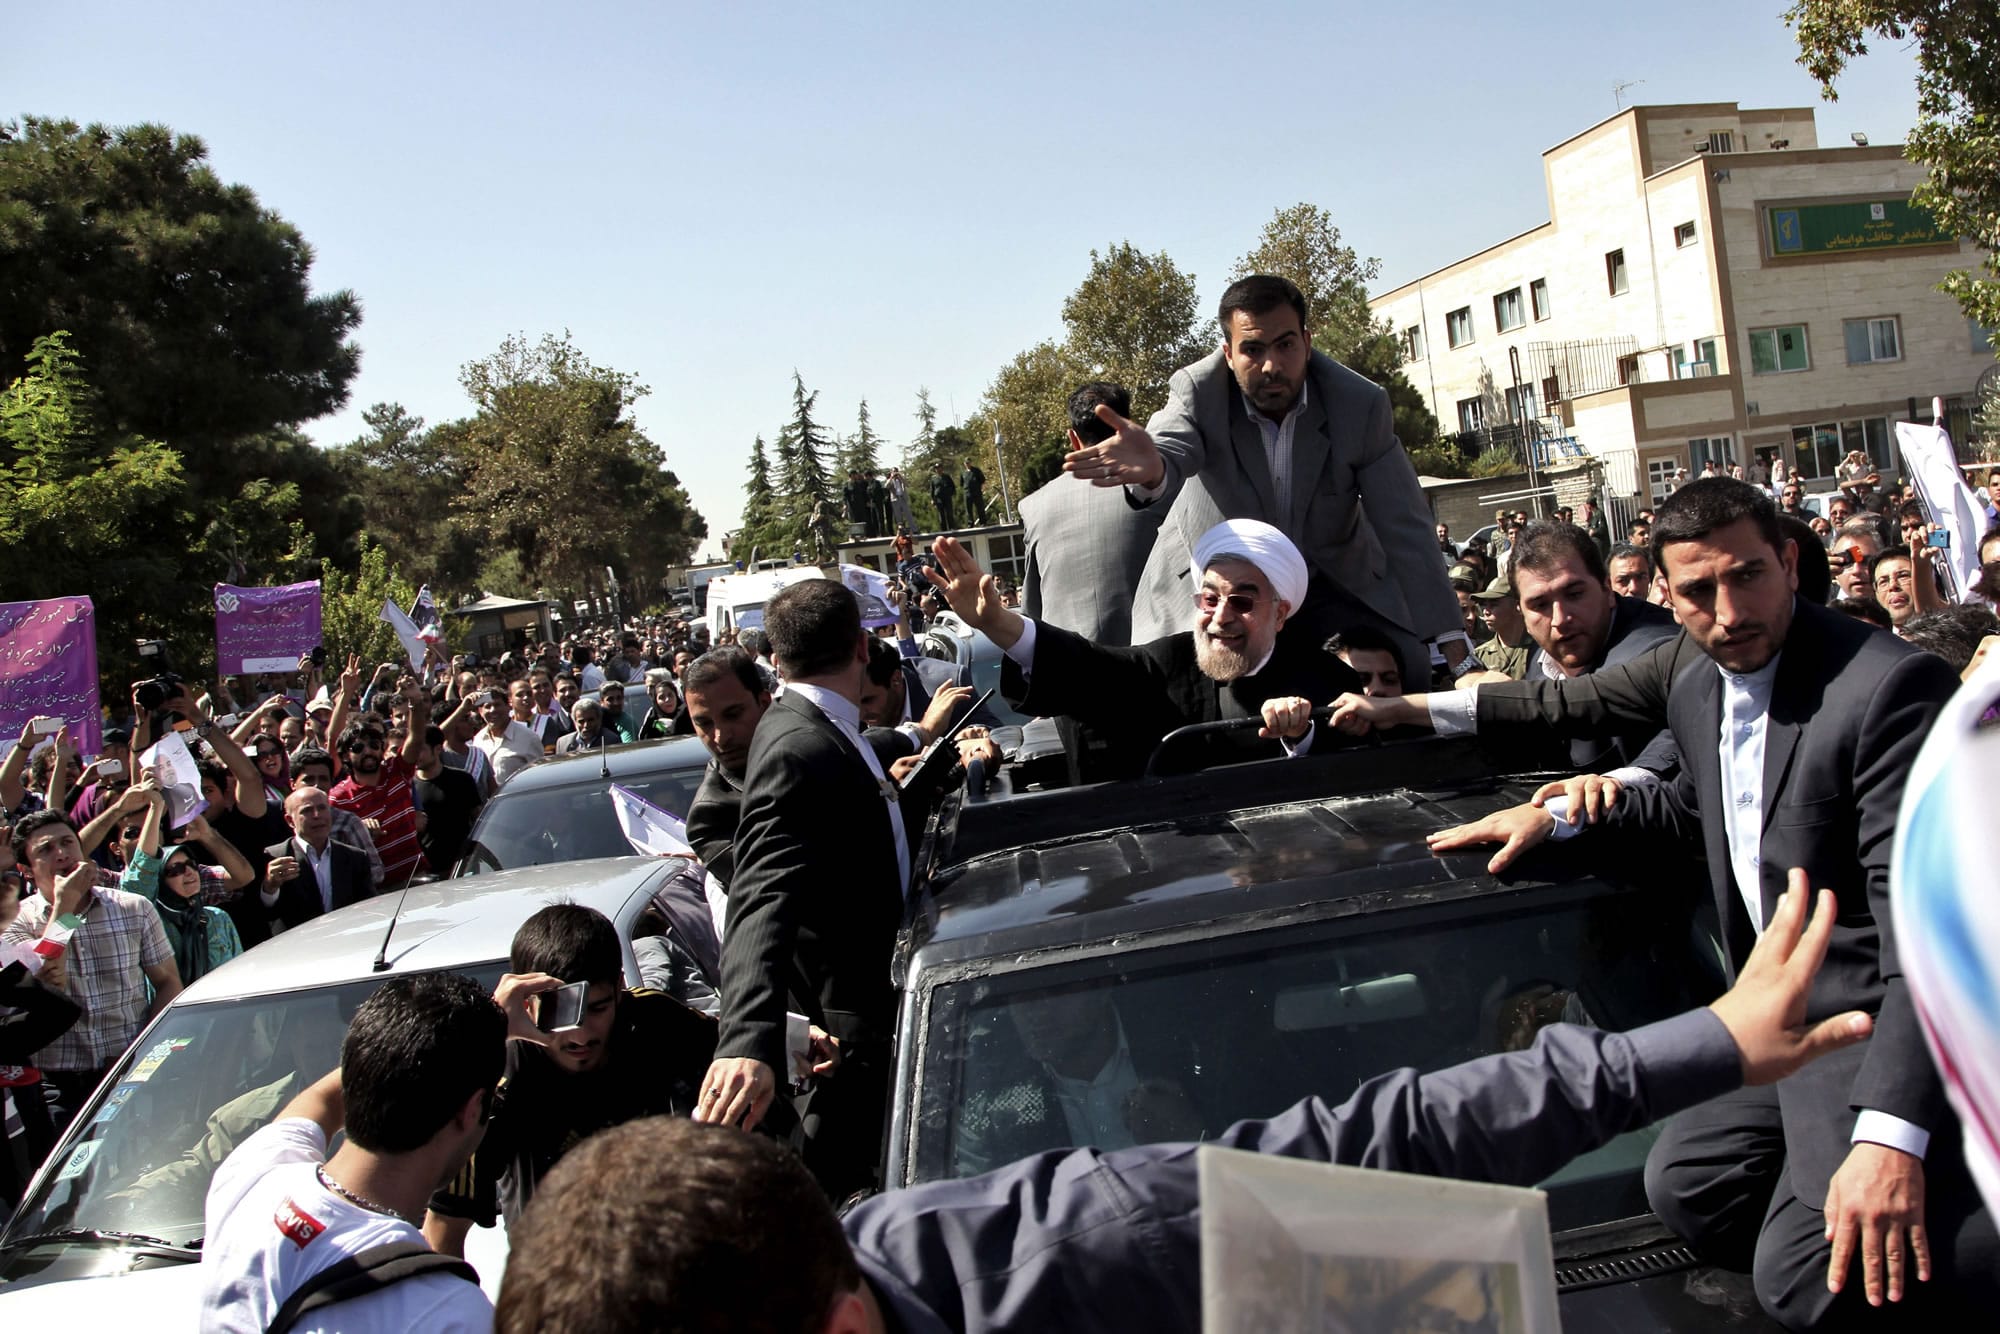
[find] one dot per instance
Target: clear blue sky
(880, 195)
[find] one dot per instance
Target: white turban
(1263, 546)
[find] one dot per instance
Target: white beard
(1218, 663)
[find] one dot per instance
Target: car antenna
(381, 964)
(603, 760)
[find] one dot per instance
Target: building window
(1551, 391)
(1719, 448)
(1458, 326)
(1538, 297)
(1507, 310)
(1677, 362)
(1721, 141)
(1521, 404)
(1628, 368)
(1614, 272)
(1982, 337)
(1817, 450)
(1007, 558)
(1704, 355)
(1471, 414)
(1660, 477)
(1780, 349)
(1683, 235)
(1413, 343)
(1872, 340)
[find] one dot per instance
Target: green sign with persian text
(1794, 231)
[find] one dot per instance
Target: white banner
(1931, 465)
(649, 829)
(407, 632)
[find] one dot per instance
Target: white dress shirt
(846, 715)
(1278, 436)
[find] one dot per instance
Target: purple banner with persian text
(265, 629)
(48, 668)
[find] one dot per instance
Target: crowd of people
(1732, 680)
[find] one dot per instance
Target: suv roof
(628, 761)
(445, 924)
(1062, 868)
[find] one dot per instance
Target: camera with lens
(153, 694)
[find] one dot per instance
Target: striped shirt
(121, 935)
(392, 804)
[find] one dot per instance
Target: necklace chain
(352, 1198)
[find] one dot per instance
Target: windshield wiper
(191, 1251)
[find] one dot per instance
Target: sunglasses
(1240, 603)
(179, 868)
(365, 743)
(130, 831)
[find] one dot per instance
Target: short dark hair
(717, 663)
(569, 941)
(1913, 511)
(722, 1213)
(1259, 294)
(813, 626)
(28, 825)
(434, 736)
(885, 661)
(1866, 609)
(356, 732)
(1542, 546)
(312, 755)
(1815, 572)
(1625, 550)
(415, 1051)
(1701, 507)
(1083, 404)
(1897, 552)
(1364, 637)
(1952, 633)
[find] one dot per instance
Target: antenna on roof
(1618, 91)
(381, 963)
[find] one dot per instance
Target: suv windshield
(1178, 1042)
(205, 1079)
(568, 824)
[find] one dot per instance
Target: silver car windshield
(136, 1164)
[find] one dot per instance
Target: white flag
(1932, 467)
(648, 829)
(406, 631)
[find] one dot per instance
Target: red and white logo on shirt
(298, 1226)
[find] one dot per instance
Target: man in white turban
(1246, 582)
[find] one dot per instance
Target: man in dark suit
(725, 699)
(943, 491)
(822, 867)
(1797, 727)
(1580, 626)
(1234, 662)
(310, 872)
(972, 482)
(1086, 547)
(1266, 428)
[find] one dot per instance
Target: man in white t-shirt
(417, 1074)
(508, 745)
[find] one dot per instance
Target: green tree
(1302, 244)
(1028, 402)
(763, 527)
(803, 445)
(1132, 320)
(403, 477)
(1957, 134)
(351, 608)
(864, 447)
(87, 511)
(195, 292)
(557, 472)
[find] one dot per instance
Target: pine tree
(862, 449)
(814, 508)
(762, 519)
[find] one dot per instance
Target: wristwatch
(1463, 665)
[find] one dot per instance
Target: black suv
(1244, 937)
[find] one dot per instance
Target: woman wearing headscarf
(202, 935)
(667, 716)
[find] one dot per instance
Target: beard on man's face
(1221, 660)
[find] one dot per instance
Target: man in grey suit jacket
(1099, 1240)
(1086, 547)
(1797, 727)
(1266, 428)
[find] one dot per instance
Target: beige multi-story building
(1711, 284)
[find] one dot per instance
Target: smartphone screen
(48, 726)
(227, 720)
(560, 1010)
(110, 768)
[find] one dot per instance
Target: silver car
(122, 1194)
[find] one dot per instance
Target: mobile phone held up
(561, 1010)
